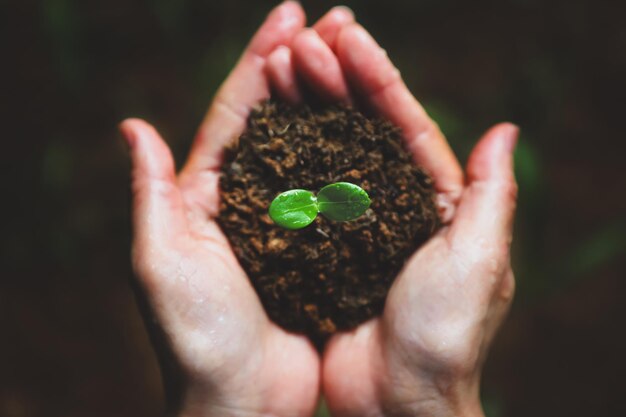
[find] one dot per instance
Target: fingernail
(363, 34)
(309, 32)
(510, 137)
(295, 2)
(283, 13)
(283, 52)
(129, 136)
(345, 9)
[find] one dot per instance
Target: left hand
(222, 356)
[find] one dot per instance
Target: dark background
(72, 341)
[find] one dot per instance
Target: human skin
(229, 358)
(424, 355)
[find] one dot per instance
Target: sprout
(294, 209)
(341, 201)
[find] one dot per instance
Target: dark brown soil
(328, 276)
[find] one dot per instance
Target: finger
(157, 204)
(329, 26)
(485, 214)
(246, 86)
(378, 82)
(318, 67)
(280, 66)
(282, 76)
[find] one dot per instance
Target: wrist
(215, 401)
(434, 408)
(435, 398)
(206, 402)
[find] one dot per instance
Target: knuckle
(449, 347)
(453, 353)
(510, 190)
(507, 287)
(493, 260)
(507, 189)
(482, 256)
(145, 189)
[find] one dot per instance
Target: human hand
(222, 356)
(424, 356)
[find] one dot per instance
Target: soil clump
(329, 276)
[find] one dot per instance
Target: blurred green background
(73, 343)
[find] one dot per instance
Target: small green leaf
(342, 201)
(294, 209)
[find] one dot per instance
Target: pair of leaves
(341, 201)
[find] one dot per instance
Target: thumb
(485, 213)
(157, 202)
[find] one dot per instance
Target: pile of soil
(328, 276)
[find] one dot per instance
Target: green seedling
(341, 201)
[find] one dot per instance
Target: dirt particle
(276, 245)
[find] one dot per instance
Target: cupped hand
(222, 355)
(423, 357)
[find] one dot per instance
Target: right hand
(424, 356)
